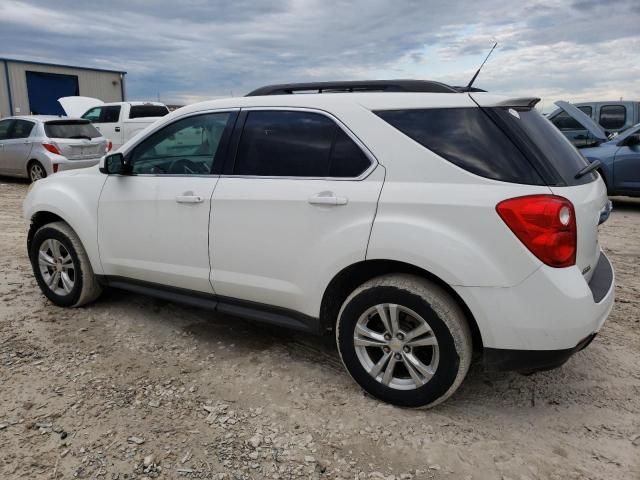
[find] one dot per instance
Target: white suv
(416, 222)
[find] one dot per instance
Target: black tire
(442, 314)
(35, 171)
(85, 286)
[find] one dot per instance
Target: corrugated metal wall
(93, 83)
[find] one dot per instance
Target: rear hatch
(76, 139)
(558, 163)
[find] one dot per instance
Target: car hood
(594, 129)
(78, 106)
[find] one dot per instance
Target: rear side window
(143, 111)
(613, 117)
(297, 144)
(70, 129)
(21, 129)
(468, 138)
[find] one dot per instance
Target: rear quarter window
(468, 138)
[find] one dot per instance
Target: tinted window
(93, 115)
(70, 129)
(185, 147)
(21, 129)
(297, 144)
(468, 138)
(143, 111)
(553, 156)
(587, 110)
(110, 114)
(613, 117)
(5, 126)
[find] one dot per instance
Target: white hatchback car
(415, 222)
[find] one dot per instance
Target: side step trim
(258, 312)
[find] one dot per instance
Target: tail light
(51, 148)
(109, 146)
(546, 224)
(55, 167)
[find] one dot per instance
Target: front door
(154, 222)
(626, 168)
(106, 119)
(296, 208)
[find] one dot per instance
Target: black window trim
(626, 114)
(237, 133)
(13, 126)
(225, 142)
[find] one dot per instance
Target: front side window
(93, 115)
(21, 129)
(297, 144)
(185, 147)
(5, 127)
(613, 117)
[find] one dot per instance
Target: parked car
(37, 146)
(613, 117)
(618, 155)
(118, 121)
(415, 226)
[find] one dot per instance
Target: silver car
(37, 146)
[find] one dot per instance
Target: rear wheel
(404, 340)
(36, 171)
(61, 266)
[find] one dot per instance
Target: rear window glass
(70, 130)
(142, 111)
(613, 117)
(468, 138)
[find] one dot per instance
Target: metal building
(34, 87)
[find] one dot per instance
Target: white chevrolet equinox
(415, 222)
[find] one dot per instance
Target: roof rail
(355, 86)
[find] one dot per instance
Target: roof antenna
(473, 79)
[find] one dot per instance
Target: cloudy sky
(190, 50)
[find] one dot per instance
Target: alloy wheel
(56, 267)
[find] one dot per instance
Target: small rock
(255, 441)
(154, 403)
(149, 460)
(434, 467)
(253, 455)
(3, 426)
(309, 459)
(136, 440)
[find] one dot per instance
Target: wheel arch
(354, 275)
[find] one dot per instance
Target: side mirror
(113, 164)
(632, 140)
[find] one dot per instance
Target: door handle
(189, 199)
(327, 198)
(117, 129)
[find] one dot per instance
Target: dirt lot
(132, 387)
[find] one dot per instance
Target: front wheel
(61, 266)
(404, 340)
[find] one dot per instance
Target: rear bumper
(553, 310)
(73, 164)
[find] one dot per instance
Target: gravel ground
(132, 388)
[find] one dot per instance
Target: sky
(192, 50)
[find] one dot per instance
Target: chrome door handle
(189, 199)
(327, 198)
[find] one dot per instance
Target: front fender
(74, 198)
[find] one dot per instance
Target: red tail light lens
(109, 146)
(546, 224)
(51, 148)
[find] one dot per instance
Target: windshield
(70, 129)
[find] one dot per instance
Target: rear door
(17, 147)
(297, 204)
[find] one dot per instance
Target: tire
(63, 254)
(36, 171)
(417, 301)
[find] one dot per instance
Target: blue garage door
(45, 89)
